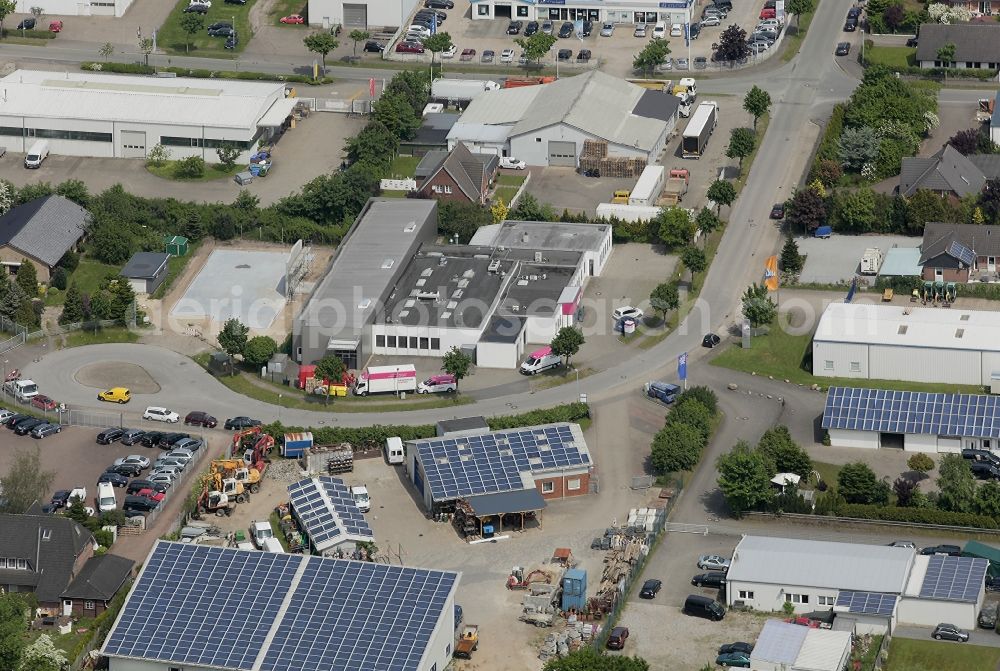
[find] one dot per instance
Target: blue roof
(243, 610)
(912, 412)
(867, 603)
(327, 512)
(901, 262)
(464, 466)
(954, 578)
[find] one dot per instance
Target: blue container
(574, 584)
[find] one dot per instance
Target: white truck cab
(260, 531)
(22, 390)
(361, 498)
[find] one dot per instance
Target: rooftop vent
(522, 283)
(410, 227)
(445, 315)
(442, 261)
(409, 303)
(506, 453)
(457, 294)
(902, 329)
(463, 283)
(535, 461)
(538, 257)
(469, 274)
(426, 272)
(494, 265)
(959, 333)
(364, 304)
(524, 237)
(427, 295)
(403, 313)
(388, 263)
(442, 460)
(452, 305)
(964, 318)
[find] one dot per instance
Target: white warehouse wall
(929, 613)
(499, 355)
(55, 9)
(527, 147)
(383, 13)
(920, 442)
(842, 355)
(925, 364)
(439, 648)
(848, 438)
(771, 598)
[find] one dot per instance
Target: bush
(703, 395)
(191, 167)
(140, 69)
(916, 515)
(59, 278)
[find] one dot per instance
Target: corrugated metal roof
(902, 262)
(506, 106)
(779, 642)
(478, 132)
(809, 563)
(823, 650)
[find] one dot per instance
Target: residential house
(458, 175)
(432, 134)
(977, 45)
(960, 252)
(947, 173)
(41, 231)
(96, 585)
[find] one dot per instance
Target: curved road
(802, 90)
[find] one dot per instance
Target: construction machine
(213, 502)
(231, 487)
(236, 469)
(468, 641)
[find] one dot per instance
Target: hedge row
(915, 515)
(140, 69)
(374, 437)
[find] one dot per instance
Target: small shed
(146, 271)
(177, 245)
(218, 364)
(462, 426)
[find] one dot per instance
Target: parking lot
(838, 258)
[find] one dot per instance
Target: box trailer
(629, 213)
(871, 261)
(383, 379)
(649, 186)
(699, 129)
(460, 90)
(296, 444)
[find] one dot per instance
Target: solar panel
(954, 578)
(493, 462)
(961, 252)
(867, 603)
(965, 415)
(327, 511)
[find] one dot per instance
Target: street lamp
(279, 408)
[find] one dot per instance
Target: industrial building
(75, 7)
(783, 646)
(914, 421)
(869, 588)
(632, 11)
(893, 342)
(329, 516)
(363, 15)
(547, 124)
(124, 116)
(196, 606)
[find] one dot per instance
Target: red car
(293, 18)
(55, 26)
(151, 495)
(409, 48)
(467, 55)
(768, 13)
(43, 402)
(616, 640)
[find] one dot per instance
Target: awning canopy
(279, 111)
(517, 501)
(343, 344)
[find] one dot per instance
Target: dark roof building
(41, 230)
(97, 584)
(432, 134)
(457, 175)
(976, 45)
(947, 172)
(146, 271)
(959, 252)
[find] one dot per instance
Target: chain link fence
(92, 418)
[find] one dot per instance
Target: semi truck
(382, 379)
(649, 186)
(460, 90)
(699, 129)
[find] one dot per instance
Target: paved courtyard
(838, 258)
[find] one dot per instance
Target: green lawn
(511, 180)
(285, 8)
(828, 472)
(507, 187)
(108, 335)
(172, 38)
(762, 124)
(175, 266)
(781, 355)
(795, 35)
(212, 171)
(87, 277)
(912, 655)
(403, 166)
(894, 57)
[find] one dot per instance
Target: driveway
(838, 258)
(983, 637)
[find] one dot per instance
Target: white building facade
(363, 15)
(60, 8)
(620, 12)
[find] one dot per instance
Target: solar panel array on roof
(954, 578)
(325, 508)
(867, 603)
(913, 412)
(961, 252)
(227, 608)
(493, 462)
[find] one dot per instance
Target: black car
(850, 25)
(231, 41)
(710, 341)
(778, 211)
(583, 56)
(26, 24)
(710, 579)
(694, 30)
(114, 479)
(981, 455)
(196, 9)
(221, 31)
(950, 550)
(439, 4)
(128, 470)
(843, 48)
(151, 438)
(565, 54)
(60, 498)
(745, 648)
(49, 509)
(109, 436)
(911, 42)
(139, 504)
(23, 427)
(985, 470)
(136, 486)
(992, 583)
(514, 27)
(371, 46)
(587, 27)
(236, 423)
(132, 436)
(854, 13)
(11, 421)
(566, 29)
(650, 588)
(531, 28)
(167, 440)
(235, 2)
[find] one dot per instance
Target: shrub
(916, 515)
(59, 278)
(191, 167)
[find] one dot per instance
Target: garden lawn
(893, 57)
(907, 654)
(172, 38)
(175, 266)
(403, 167)
(101, 336)
(87, 277)
(212, 171)
(507, 187)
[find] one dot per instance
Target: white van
(38, 153)
(361, 498)
(660, 30)
(394, 452)
(272, 545)
(106, 497)
(540, 360)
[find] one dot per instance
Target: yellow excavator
(236, 469)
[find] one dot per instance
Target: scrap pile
(294, 537)
(624, 545)
(595, 157)
(562, 643)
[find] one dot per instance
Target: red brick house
(458, 175)
(96, 585)
(960, 252)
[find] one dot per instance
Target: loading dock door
(562, 153)
(133, 144)
(355, 16)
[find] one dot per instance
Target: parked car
(45, 429)
(196, 9)
(640, 30)
(43, 402)
(190, 444)
(902, 544)
(711, 579)
(565, 54)
(694, 30)
(617, 638)
(132, 436)
(409, 48)
(440, 4)
(231, 42)
(139, 504)
(12, 420)
(128, 470)
(850, 25)
(739, 646)
(912, 42)
(151, 494)
(55, 26)
(507, 56)
(949, 632)
(151, 438)
(711, 341)
(158, 414)
(180, 454)
(26, 24)
(168, 440)
(626, 312)
(708, 20)
(713, 562)
(981, 455)
(138, 485)
(659, 30)
(608, 29)
(113, 479)
(514, 27)
(547, 27)
(487, 57)
(950, 550)
(700, 63)
(988, 616)
(374, 46)
(450, 52)
(531, 28)
(778, 211)
(60, 498)
(985, 470)
(200, 418)
(165, 479)
(650, 588)
(24, 427)
(583, 56)
(467, 55)
(681, 63)
(143, 462)
(221, 31)
(292, 19)
(737, 659)
(702, 606)
(115, 395)
(235, 2)
(992, 583)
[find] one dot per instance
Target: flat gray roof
(535, 291)
(372, 255)
(464, 424)
(503, 329)
(543, 235)
(144, 265)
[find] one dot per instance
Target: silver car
(608, 29)
(161, 478)
(547, 27)
(713, 563)
(640, 30)
(682, 64)
(137, 459)
(708, 20)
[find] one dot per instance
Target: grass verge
(762, 125)
(558, 377)
(393, 194)
(286, 8)
(172, 38)
(212, 171)
(893, 57)
(87, 278)
(175, 266)
(911, 655)
(101, 336)
(403, 166)
(827, 472)
(793, 41)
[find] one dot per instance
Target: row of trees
(688, 427)
(745, 472)
(114, 299)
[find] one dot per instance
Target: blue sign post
(682, 368)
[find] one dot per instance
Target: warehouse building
(891, 342)
(75, 7)
(195, 606)
(329, 516)
(632, 11)
(124, 116)
(915, 421)
(363, 15)
(783, 646)
(547, 124)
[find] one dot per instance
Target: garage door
(355, 16)
(133, 144)
(562, 153)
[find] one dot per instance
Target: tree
(37, 12)
(857, 483)
(987, 501)
(828, 172)
(741, 144)
(676, 447)
(946, 54)
(529, 209)
(733, 44)
(588, 659)
(393, 111)
(332, 369)
(72, 312)
(457, 363)
(26, 315)
(498, 210)
(857, 147)
(358, 35)
(76, 511)
(435, 44)
(692, 413)
(665, 298)
(783, 452)
(855, 211)
(651, 56)
(7, 7)
(375, 144)
(806, 210)
(966, 142)
(11, 298)
(322, 44)
(920, 463)
(13, 627)
(925, 206)
(798, 8)
(721, 193)
(893, 16)
(702, 395)
(757, 102)
(59, 279)
(191, 24)
(956, 484)
(905, 489)
(106, 50)
(43, 655)
(228, 153)
(791, 259)
(706, 221)
(758, 308)
(7, 193)
(567, 342)
(674, 226)
(158, 156)
(246, 201)
(694, 260)
(75, 190)
(744, 479)
(259, 350)
(233, 338)
(25, 482)
(27, 278)
(536, 46)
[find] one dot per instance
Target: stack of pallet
(594, 151)
(595, 157)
